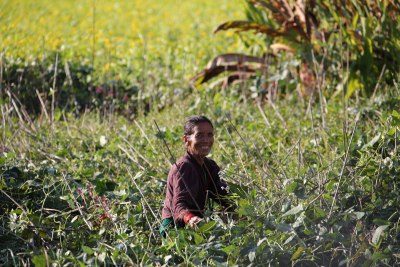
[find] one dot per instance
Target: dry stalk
(172, 159)
(278, 114)
(240, 156)
(378, 82)
(299, 154)
(20, 207)
(260, 157)
(53, 95)
(343, 166)
(66, 124)
(131, 157)
(145, 200)
(275, 158)
(22, 110)
(89, 225)
(263, 114)
(68, 73)
(144, 134)
(137, 152)
(15, 202)
(320, 181)
(44, 110)
(21, 120)
(3, 116)
(320, 82)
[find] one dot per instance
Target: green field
(315, 178)
(115, 32)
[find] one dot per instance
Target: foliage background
(82, 183)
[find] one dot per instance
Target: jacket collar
(192, 159)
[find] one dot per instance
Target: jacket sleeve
(183, 197)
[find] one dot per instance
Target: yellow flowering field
(109, 31)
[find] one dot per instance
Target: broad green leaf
(319, 213)
(373, 141)
(379, 256)
(284, 227)
(392, 131)
(229, 249)
(292, 187)
(40, 261)
(207, 227)
(297, 254)
(377, 234)
(354, 85)
(245, 208)
(198, 239)
(379, 221)
(88, 250)
(296, 188)
(294, 210)
(359, 214)
(396, 114)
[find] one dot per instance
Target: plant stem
(343, 166)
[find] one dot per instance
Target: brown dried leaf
(241, 25)
(208, 74)
(277, 48)
(233, 58)
(234, 78)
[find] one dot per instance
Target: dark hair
(193, 121)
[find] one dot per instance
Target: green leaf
(396, 114)
(230, 249)
(88, 250)
(379, 256)
(296, 188)
(297, 254)
(284, 227)
(198, 239)
(245, 208)
(391, 132)
(377, 234)
(368, 263)
(292, 187)
(40, 260)
(354, 84)
(207, 227)
(359, 214)
(294, 210)
(373, 141)
(319, 213)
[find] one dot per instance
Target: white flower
(103, 140)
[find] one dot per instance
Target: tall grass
(91, 190)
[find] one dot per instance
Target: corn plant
(360, 38)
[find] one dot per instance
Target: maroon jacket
(189, 186)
